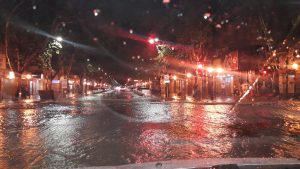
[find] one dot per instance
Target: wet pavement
(121, 127)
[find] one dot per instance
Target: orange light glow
(189, 75)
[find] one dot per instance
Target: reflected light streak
(246, 93)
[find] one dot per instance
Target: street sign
(166, 78)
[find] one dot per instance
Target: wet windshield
(116, 82)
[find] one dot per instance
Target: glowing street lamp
(175, 77)
(28, 76)
(189, 75)
(200, 66)
(151, 41)
(220, 70)
(295, 66)
(11, 75)
(210, 70)
(59, 38)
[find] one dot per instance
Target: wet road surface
(120, 127)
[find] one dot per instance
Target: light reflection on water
(112, 130)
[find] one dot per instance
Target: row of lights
(11, 75)
(209, 69)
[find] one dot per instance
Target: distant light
(124, 43)
(298, 56)
(199, 66)
(28, 76)
(34, 7)
(95, 39)
(166, 1)
(210, 69)
(11, 75)
(206, 15)
(295, 66)
(88, 60)
(55, 81)
(264, 72)
(188, 75)
(63, 24)
(156, 39)
(175, 77)
(96, 12)
(151, 41)
(269, 67)
(59, 38)
(99, 68)
(220, 70)
(128, 79)
(131, 31)
(105, 74)
(138, 56)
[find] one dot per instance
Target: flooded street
(120, 127)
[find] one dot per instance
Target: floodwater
(120, 127)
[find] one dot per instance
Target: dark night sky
(179, 22)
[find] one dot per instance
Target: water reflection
(121, 128)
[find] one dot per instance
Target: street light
(151, 41)
(199, 66)
(220, 70)
(295, 66)
(28, 76)
(189, 75)
(175, 77)
(59, 38)
(210, 69)
(11, 75)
